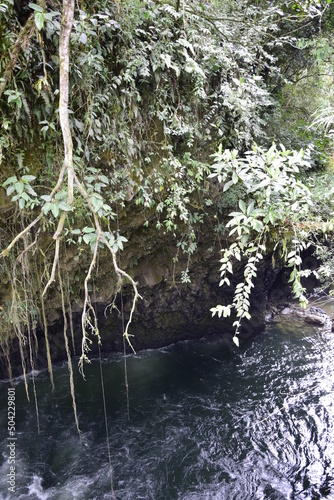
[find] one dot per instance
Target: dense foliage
(156, 88)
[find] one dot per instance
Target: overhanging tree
(154, 88)
(67, 178)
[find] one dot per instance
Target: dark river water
(206, 423)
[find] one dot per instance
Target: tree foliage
(151, 91)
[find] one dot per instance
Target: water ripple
(205, 424)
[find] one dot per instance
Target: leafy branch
(276, 199)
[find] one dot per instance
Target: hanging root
(33, 378)
(125, 364)
(120, 273)
(47, 345)
(54, 267)
(29, 317)
(106, 426)
(18, 329)
(88, 309)
(4, 346)
(70, 368)
(88, 318)
(69, 311)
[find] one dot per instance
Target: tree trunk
(64, 60)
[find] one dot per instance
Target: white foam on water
(74, 489)
(20, 378)
(36, 489)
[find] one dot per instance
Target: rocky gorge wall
(168, 311)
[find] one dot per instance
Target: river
(205, 423)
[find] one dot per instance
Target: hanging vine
(68, 180)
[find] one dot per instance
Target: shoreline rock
(311, 315)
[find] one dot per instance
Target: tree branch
(64, 60)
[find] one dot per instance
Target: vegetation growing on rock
(166, 113)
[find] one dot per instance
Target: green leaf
(89, 238)
(167, 59)
(39, 20)
(35, 7)
(227, 185)
(44, 129)
(50, 15)
(65, 206)
(97, 202)
(88, 230)
(17, 99)
(110, 238)
(55, 209)
(104, 179)
(28, 178)
(25, 196)
(271, 217)
(19, 186)
(93, 245)
(236, 340)
(257, 225)
(61, 196)
(242, 206)
(97, 196)
(83, 38)
(10, 190)
(10, 180)
(47, 207)
(46, 197)
(119, 245)
(108, 209)
(30, 190)
(80, 125)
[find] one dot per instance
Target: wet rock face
(168, 311)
